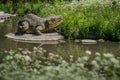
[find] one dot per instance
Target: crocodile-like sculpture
(35, 25)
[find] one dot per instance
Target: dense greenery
(100, 18)
(81, 18)
(40, 65)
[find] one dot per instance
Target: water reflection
(78, 49)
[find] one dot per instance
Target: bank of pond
(81, 19)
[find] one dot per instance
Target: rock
(77, 40)
(1, 21)
(1, 12)
(14, 15)
(62, 41)
(44, 38)
(88, 41)
(101, 40)
(5, 16)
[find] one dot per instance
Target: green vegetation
(38, 64)
(81, 18)
(100, 18)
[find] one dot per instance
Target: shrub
(39, 65)
(80, 17)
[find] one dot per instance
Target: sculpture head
(23, 26)
(53, 21)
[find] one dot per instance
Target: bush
(80, 18)
(83, 17)
(41, 65)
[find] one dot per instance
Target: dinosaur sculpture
(33, 24)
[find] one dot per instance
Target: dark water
(64, 49)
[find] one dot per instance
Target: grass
(80, 18)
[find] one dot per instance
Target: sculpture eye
(23, 23)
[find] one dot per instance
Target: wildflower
(114, 61)
(97, 58)
(88, 52)
(18, 56)
(95, 64)
(51, 54)
(35, 48)
(79, 59)
(27, 58)
(97, 54)
(24, 52)
(71, 56)
(85, 58)
(57, 56)
(108, 55)
(44, 51)
(11, 52)
(81, 65)
(9, 57)
(20, 49)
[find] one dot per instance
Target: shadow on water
(64, 49)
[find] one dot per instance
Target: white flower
(9, 57)
(35, 48)
(51, 54)
(95, 64)
(108, 55)
(18, 56)
(64, 62)
(81, 65)
(97, 54)
(24, 52)
(97, 58)
(88, 52)
(71, 56)
(79, 59)
(115, 61)
(27, 58)
(44, 51)
(85, 58)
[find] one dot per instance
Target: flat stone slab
(31, 38)
(88, 41)
(5, 16)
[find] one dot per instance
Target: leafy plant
(80, 17)
(40, 65)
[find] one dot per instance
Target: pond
(64, 49)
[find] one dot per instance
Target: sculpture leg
(38, 30)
